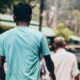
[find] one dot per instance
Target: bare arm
(77, 77)
(2, 73)
(50, 66)
(75, 71)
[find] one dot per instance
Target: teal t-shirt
(22, 47)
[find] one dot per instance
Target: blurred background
(52, 13)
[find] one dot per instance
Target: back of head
(59, 42)
(22, 12)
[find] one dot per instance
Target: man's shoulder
(7, 33)
(36, 33)
(70, 54)
(66, 53)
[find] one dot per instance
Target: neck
(22, 24)
(59, 48)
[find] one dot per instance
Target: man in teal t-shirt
(22, 47)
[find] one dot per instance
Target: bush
(62, 30)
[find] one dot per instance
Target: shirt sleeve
(75, 70)
(1, 48)
(44, 50)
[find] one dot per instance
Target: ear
(14, 17)
(54, 46)
(30, 16)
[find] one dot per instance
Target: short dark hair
(22, 12)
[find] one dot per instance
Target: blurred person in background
(22, 47)
(66, 67)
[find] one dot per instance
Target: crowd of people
(24, 49)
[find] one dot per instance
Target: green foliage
(4, 4)
(62, 30)
(7, 4)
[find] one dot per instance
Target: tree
(4, 4)
(62, 30)
(7, 4)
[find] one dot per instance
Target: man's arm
(75, 70)
(44, 50)
(2, 58)
(50, 66)
(2, 73)
(77, 77)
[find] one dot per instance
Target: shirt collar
(23, 26)
(60, 50)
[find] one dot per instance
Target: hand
(53, 77)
